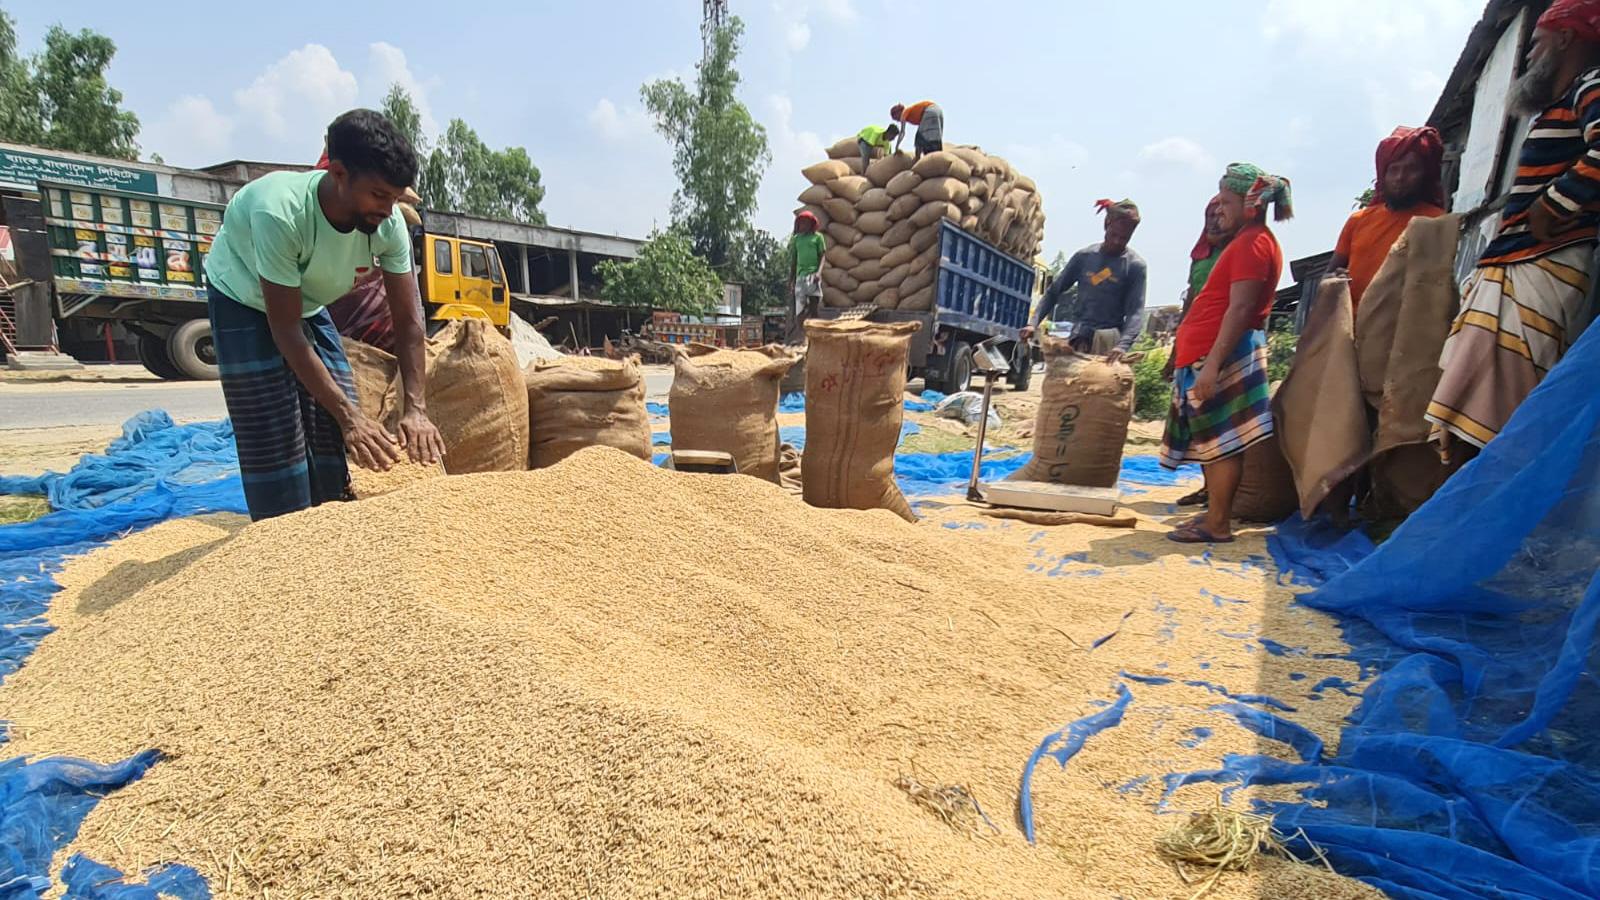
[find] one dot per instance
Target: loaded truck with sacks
(139, 260)
(942, 241)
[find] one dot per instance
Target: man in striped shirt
(1527, 301)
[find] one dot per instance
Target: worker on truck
(875, 141)
(928, 118)
(1110, 279)
(290, 244)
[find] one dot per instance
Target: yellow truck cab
(462, 279)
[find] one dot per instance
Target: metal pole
(983, 428)
(527, 287)
(572, 271)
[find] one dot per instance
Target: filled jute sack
(475, 398)
(375, 374)
(727, 401)
(855, 386)
(1266, 489)
(1085, 406)
(583, 401)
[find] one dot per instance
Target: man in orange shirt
(1408, 185)
(928, 118)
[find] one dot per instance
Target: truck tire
(153, 356)
(192, 350)
(1021, 374)
(957, 374)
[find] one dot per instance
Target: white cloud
(1364, 27)
(797, 35)
(387, 65)
(615, 124)
(1178, 151)
(193, 122)
(795, 17)
(301, 92)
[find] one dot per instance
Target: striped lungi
(1237, 416)
(291, 451)
(930, 133)
(1516, 322)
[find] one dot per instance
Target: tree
(763, 269)
(19, 101)
(666, 275)
(719, 150)
(462, 174)
(1056, 266)
(80, 111)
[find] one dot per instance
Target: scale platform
(1046, 495)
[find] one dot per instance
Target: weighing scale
(989, 361)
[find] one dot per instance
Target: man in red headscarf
(1527, 301)
(1408, 186)
(807, 247)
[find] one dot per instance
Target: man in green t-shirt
(806, 249)
(290, 244)
(874, 140)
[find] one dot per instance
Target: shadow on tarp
(1471, 767)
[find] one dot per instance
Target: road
(109, 403)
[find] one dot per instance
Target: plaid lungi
(1237, 416)
(291, 452)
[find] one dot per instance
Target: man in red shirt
(1220, 403)
(1408, 186)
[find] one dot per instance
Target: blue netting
(796, 402)
(1471, 768)
(934, 474)
(794, 435)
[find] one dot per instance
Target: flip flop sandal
(1195, 498)
(1194, 534)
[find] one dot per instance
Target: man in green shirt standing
(873, 140)
(290, 244)
(806, 249)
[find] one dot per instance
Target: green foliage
(666, 275)
(1057, 265)
(60, 98)
(462, 174)
(1152, 392)
(719, 151)
(1281, 343)
(763, 269)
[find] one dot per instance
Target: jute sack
(874, 200)
(840, 257)
(899, 256)
(374, 372)
(970, 223)
(975, 159)
(840, 211)
(868, 246)
(924, 238)
(845, 148)
(881, 171)
(843, 234)
(727, 401)
(585, 401)
(476, 398)
(903, 206)
(835, 277)
(824, 172)
(917, 301)
(950, 190)
(899, 234)
(867, 293)
(916, 281)
(942, 164)
(849, 187)
(902, 184)
(896, 275)
(888, 298)
(931, 213)
(871, 270)
(834, 298)
(1266, 489)
(1085, 405)
(875, 223)
(816, 194)
(855, 386)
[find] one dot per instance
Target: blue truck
(980, 293)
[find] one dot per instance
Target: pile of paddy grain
(595, 679)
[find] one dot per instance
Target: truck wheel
(958, 374)
(1021, 374)
(192, 350)
(153, 355)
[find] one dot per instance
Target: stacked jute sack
(497, 417)
(882, 222)
(727, 401)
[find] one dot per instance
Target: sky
(1092, 99)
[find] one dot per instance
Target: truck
(980, 293)
(139, 260)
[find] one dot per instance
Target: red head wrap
(1582, 16)
(807, 215)
(1426, 143)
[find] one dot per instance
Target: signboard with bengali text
(24, 171)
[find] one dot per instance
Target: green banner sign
(26, 170)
